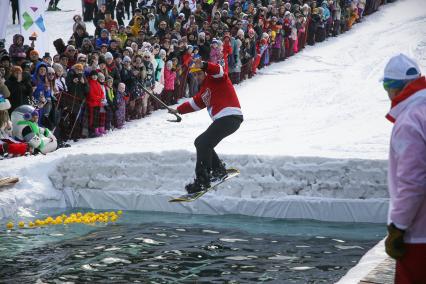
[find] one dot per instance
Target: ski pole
(76, 118)
(178, 118)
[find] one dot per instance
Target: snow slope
(326, 102)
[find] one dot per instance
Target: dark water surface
(151, 247)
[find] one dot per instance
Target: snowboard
(6, 181)
(231, 172)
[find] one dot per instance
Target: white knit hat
(108, 55)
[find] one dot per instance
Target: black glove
(394, 242)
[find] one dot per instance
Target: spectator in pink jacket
(406, 241)
(168, 94)
(215, 52)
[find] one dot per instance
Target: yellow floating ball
(21, 224)
(119, 212)
(9, 225)
(31, 224)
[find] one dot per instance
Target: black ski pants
(127, 4)
(207, 159)
(89, 9)
(53, 3)
(15, 10)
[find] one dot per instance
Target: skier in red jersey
(217, 94)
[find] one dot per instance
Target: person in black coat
(20, 88)
(127, 4)
(79, 35)
(120, 12)
(100, 15)
(313, 25)
(89, 9)
(110, 5)
(78, 88)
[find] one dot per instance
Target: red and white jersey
(216, 93)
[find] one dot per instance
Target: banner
(31, 15)
(4, 14)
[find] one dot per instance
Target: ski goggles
(393, 84)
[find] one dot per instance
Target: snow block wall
(145, 181)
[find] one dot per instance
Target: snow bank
(280, 187)
(261, 177)
(349, 190)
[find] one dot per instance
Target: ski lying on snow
(62, 10)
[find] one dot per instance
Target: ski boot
(201, 182)
(219, 172)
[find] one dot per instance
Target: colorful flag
(4, 14)
(31, 15)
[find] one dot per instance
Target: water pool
(153, 247)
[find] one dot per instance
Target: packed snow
(313, 144)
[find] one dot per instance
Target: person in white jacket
(406, 240)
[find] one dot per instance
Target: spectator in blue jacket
(103, 38)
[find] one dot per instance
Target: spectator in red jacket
(110, 24)
(94, 103)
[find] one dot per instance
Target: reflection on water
(160, 252)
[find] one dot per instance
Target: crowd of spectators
(97, 82)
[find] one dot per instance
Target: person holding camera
(20, 88)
